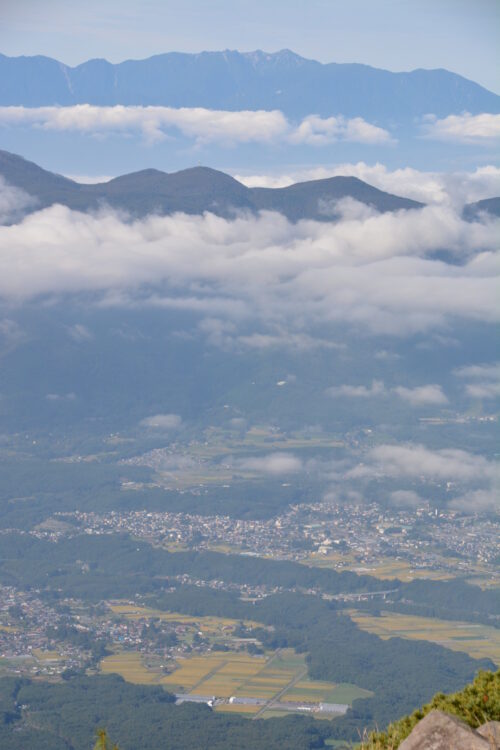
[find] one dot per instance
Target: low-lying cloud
(162, 422)
(13, 202)
(262, 280)
(273, 464)
(155, 123)
(477, 477)
(421, 395)
(377, 388)
(483, 380)
(418, 462)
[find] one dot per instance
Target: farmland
(223, 675)
(386, 569)
(130, 665)
(208, 625)
(479, 641)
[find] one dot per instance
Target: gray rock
(441, 731)
(491, 730)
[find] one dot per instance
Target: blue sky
(460, 35)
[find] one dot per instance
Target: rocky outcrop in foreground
(441, 731)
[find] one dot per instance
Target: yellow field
(130, 666)
(224, 674)
(237, 709)
(479, 641)
(218, 674)
(46, 655)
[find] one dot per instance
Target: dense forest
(41, 716)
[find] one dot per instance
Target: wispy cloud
(464, 128)
(484, 380)
(162, 421)
(377, 388)
(421, 395)
(203, 125)
(276, 464)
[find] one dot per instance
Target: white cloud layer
(373, 271)
(155, 123)
(464, 128)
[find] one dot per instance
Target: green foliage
(476, 704)
(65, 716)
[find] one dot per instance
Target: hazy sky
(460, 35)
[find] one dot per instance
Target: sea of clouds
(414, 271)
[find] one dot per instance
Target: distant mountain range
(233, 80)
(194, 191)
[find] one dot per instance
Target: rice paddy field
(220, 674)
(232, 673)
(479, 641)
(130, 665)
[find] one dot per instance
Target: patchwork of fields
(236, 674)
(479, 641)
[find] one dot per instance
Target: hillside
(194, 191)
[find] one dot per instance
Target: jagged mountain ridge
(233, 80)
(194, 191)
